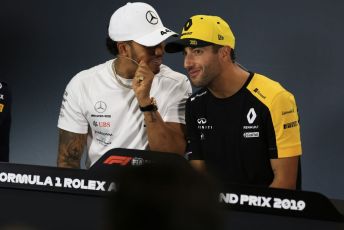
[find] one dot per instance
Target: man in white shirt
(132, 101)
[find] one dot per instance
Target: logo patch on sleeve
(290, 125)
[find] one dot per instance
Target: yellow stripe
(1, 107)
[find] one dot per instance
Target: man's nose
(188, 61)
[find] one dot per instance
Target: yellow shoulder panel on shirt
(264, 89)
(283, 111)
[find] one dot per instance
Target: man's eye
(197, 51)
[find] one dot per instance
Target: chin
(197, 84)
(155, 70)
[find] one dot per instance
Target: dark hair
(111, 46)
(217, 47)
(165, 196)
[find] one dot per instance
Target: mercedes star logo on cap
(100, 106)
(152, 17)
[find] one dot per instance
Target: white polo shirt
(96, 104)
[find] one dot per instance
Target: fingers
(139, 79)
(143, 72)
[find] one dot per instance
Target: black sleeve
(194, 146)
(5, 121)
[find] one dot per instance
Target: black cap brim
(179, 45)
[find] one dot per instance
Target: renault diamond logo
(152, 18)
(100, 107)
(251, 116)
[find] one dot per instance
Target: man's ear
(225, 53)
(123, 48)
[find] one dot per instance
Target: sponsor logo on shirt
(287, 112)
(102, 133)
(103, 124)
(198, 95)
(250, 127)
(290, 125)
(201, 121)
(2, 97)
(251, 116)
(202, 124)
(103, 141)
(257, 91)
(100, 107)
(100, 115)
(251, 134)
(202, 137)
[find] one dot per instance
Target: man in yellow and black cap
(242, 126)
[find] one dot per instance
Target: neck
(125, 67)
(229, 82)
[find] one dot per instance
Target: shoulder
(266, 90)
(92, 72)
(172, 81)
(88, 76)
(166, 73)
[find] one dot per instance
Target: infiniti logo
(100, 106)
(201, 121)
(151, 17)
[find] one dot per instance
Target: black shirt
(5, 121)
(237, 136)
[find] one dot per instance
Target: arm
(162, 136)
(285, 172)
(286, 130)
(71, 147)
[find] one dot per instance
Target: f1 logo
(121, 160)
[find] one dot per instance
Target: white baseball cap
(139, 22)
